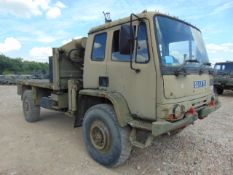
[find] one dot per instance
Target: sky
(30, 28)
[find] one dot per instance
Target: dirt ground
(53, 147)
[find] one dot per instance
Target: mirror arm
(131, 43)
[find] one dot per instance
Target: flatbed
(44, 83)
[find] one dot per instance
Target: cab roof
(226, 62)
(144, 14)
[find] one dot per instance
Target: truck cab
(223, 79)
(144, 74)
(174, 73)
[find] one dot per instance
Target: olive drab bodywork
(223, 79)
(148, 73)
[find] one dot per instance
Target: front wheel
(106, 142)
(219, 90)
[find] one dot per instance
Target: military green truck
(223, 79)
(128, 82)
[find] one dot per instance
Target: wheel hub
(100, 136)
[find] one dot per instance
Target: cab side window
(116, 56)
(99, 46)
(142, 45)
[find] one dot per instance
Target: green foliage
(18, 66)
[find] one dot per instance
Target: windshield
(179, 42)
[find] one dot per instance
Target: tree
(18, 66)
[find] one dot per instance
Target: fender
(119, 103)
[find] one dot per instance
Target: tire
(219, 90)
(106, 142)
(30, 111)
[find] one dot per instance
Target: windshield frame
(189, 68)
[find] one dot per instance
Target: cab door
(95, 60)
(139, 89)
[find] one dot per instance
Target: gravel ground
(52, 146)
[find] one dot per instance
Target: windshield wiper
(202, 66)
(178, 71)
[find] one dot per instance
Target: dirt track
(53, 146)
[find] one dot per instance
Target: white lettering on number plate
(199, 84)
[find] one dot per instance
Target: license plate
(199, 84)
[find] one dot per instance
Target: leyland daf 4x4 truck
(146, 74)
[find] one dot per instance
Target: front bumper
(161, 127)
(206, 111)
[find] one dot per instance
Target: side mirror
(126, 39)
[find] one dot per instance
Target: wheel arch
(116, 99)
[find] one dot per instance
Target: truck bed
(43, 83)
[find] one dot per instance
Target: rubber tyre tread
(123, 132)
(219, 90)
(33, 114)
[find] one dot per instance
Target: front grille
(200, 105)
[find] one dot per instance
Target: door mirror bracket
(127, 39)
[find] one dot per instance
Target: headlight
(177, 113)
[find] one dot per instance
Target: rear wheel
(30, 111)
(106, 142)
